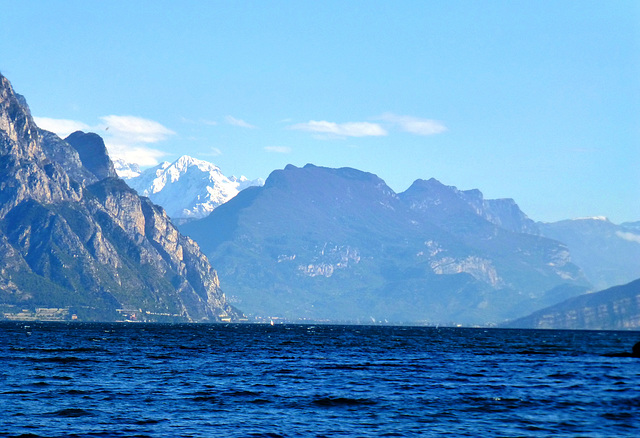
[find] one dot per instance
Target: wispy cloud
(138, 154)
(350, 129)
(631, 237)
(414, 125)
(213, 152)
(238, 122)
(278, 149)
(61, 127)
(135, 129)
(126, 137)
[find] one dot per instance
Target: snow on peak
(188, 187)
(592, 218)
(126, 170)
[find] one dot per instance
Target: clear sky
(533, 100)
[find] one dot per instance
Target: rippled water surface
(297, 380)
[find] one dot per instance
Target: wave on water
(108, 380)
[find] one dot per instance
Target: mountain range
(188, 188)
(75, 240)
(339, 244)
(609, 254)
(311, 243)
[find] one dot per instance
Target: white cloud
(631, 237)
(138, 154)
(238, 122)
(350, 129)
(61, 127)
(278, 149)
(414, 125)
(135, 129)
(126, 137)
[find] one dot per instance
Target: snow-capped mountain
(188, 188)
(126, 170)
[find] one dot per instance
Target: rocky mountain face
(444, 203)
(93, 154)
(188, 188)
(74, 236)
(609, 254)
(616, 308)
(340, 245)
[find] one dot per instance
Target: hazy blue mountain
(631, 225)
(609, 254)
(444, 203)
(339, 244)
(616, 308)
(74, 237)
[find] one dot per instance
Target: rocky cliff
(616, 308)
(72, 235)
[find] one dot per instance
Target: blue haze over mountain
(339, 244)
(609, 254)
(313, 243)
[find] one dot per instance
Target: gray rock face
(616, 308)
(93, 154)
(73, 235)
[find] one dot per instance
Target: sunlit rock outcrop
(74, 235)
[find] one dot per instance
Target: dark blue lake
(103, 380)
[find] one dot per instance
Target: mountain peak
(430, 196)
(18, 131)
(186, 161)
(93, 154)
(188, 188)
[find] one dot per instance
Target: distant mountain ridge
(609, 254)
(616, 308)
(188, 188)
(75, 239)
(505, 213)
(339, 244)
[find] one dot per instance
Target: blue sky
(533, 100)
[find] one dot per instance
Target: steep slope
(339, 244)
(72, 235)
(505, 213)
(616, 308)
(93, 154)
(477, 223)
(608, 253)
(188, 188)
